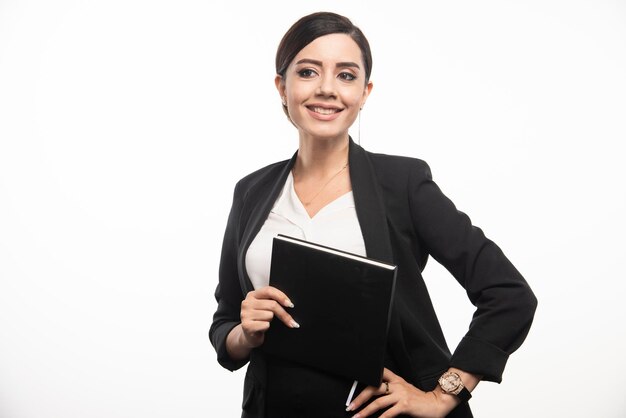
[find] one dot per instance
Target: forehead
(336, 47)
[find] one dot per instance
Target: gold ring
(386, 388)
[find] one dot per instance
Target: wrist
(446, 402)
(453, 384)
(242, 339)
(237, 345)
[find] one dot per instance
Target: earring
(359, 137)
(285, 101)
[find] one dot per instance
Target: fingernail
(350, 407)
(357, 416)
(288, 303)
(294, 324)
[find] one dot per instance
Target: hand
(257, 311)
(402, 398)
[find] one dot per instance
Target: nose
(326, 86)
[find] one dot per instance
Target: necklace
(324, 186)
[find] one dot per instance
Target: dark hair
(311, 27)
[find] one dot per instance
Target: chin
(326, 134)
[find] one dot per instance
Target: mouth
(324, 110)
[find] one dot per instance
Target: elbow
(218, 335)
(530, 302)
(526, 306)
(524, 302)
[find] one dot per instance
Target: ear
(366, 92)
(279, 81)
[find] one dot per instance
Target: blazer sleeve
(228, 292)
(505, 304)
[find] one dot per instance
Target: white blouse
(335, 225)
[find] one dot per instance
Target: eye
(307, 73)
(346, 76)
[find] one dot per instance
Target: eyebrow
(319, 63)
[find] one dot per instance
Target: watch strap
(464, 395)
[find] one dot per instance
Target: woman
(335, 193)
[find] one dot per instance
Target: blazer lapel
(259, 213)
(370, 209)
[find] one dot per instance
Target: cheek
(355, 98)
(298, 90)
(355, 103)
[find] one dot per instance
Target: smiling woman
(335, 193)
(325, 82)
(323, 90)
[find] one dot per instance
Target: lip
(314, 107)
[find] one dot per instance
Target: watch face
(450, 382)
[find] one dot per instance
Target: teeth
(324, 111)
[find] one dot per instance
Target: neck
(319, 158)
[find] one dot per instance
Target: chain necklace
(324, 186)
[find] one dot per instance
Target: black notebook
(342, 302)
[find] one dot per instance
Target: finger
(278, 311)
(363, 397)
(255, 327)
(264, 310)
(257, 315)
(380, 403)
(270, 292)
(392, 412)
(253, 308)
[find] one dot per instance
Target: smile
(324, 110)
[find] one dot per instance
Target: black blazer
(404, 218)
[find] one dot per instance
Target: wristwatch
(452, 384)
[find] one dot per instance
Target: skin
(324, 88)
(404, 398)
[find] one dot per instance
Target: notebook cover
(342, 303)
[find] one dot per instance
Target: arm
(239, 324)
(228, 293)
(505, 304)
(401, 397)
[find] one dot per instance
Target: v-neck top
(335, 225)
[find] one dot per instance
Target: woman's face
(324, 87)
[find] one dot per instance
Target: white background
(124, 125)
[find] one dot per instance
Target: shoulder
(399, 166)
(259, 178)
